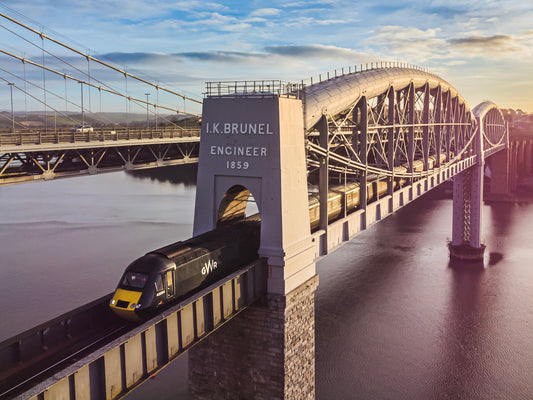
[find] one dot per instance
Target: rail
(265, 88)
(360, 68)
(278, 88)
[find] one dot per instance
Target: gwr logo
(209, 267)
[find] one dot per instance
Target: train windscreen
(135, 280)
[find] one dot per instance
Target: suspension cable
(112, 91)
(89, 57)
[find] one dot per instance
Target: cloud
(309, 4)
(454, 63)
(301, 52)
(265, 12)
(496, 44)
(313, 51)
(302, 21)
(217, 22)
(287, 62)
(222, 56)
(447, 11)
(137, 57)
(409, 43)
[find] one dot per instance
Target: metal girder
(398, 132)
(27, 166)
(494, 127)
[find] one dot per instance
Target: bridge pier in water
(468, 205)
(255, 145)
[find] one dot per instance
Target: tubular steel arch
(494, 128)
(386, 123)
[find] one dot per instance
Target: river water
(394, 319)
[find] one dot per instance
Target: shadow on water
(495, 258)
(475, 266)
(464, 327)
(177, 174)
(461, 267)
(502, 217)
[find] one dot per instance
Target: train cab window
(135, 280)
(159, 285)
(170, 283)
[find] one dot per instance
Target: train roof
(150, 263)
(202, 244)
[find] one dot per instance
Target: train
(346, 198)
(162, 277)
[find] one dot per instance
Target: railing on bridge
(32, 156)
(362, 67)
(100, 134)
(267, 88)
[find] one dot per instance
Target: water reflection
(463, 352)
(501, 218)
(182, 174)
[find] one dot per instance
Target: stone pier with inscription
(253, 146)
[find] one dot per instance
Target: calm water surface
(394, 320)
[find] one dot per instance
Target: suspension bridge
(76, 114)
(324, 159)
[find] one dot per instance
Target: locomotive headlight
(113, 302)
(132, 306)
(138, 306)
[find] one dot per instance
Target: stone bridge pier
(492, 133)
(468, 204)
(254, 146)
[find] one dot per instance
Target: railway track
(42, 351)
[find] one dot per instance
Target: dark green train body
(165, 275)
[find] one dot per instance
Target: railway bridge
(323, 160)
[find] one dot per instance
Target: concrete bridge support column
(267, 351)
(467, 208)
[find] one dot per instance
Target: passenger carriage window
(170, 283)
(159, 285)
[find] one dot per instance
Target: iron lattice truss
(44, 165)
(400, 133)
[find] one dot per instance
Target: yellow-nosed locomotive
(164, 275)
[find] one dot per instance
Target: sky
(483, 48)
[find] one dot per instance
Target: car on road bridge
(82, 128)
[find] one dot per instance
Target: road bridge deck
(44, 155)
(53, 140)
